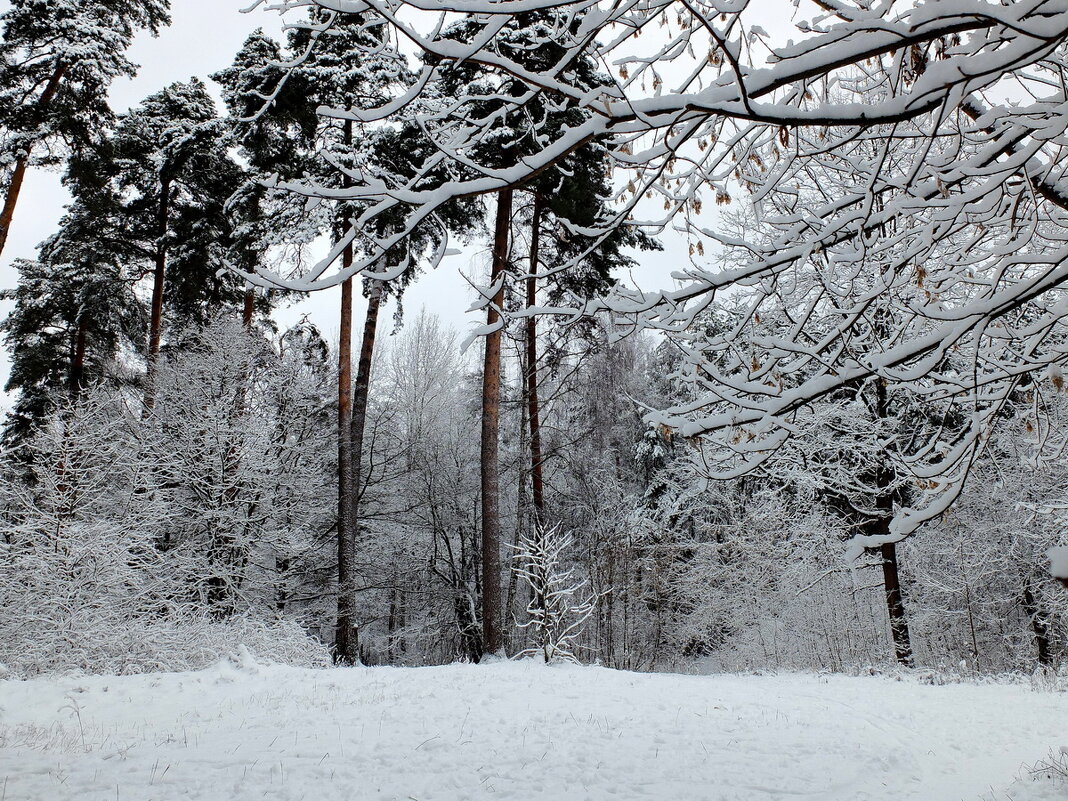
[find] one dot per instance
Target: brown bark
(362, 390)
(249, 309)
(537, 485)
(18, 174)
(357, 422)
(489, 453)
(77, 362)
(159, 276)
(345, 646)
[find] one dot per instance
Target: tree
(574, 194)
(286, 138)
(172, 175)
(273, 119)
(137, 545)
(72, 311)
(950, 146)
(57, 61)
(557, 615)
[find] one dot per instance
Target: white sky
(203, 38)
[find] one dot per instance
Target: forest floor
(521, 731)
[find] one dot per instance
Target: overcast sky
(203, 38)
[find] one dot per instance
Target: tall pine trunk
(361, 393)
(18, 173)
(492, 613)
(346, 644)
(77, 362)
(357, 425)
(159, 277)
(537, 486)
(346, 647)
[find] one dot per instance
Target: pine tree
(172, 176)
(282, 134)
(274, 120)
(574, 193)
(74, 308)
(340, 65)
(57, 61)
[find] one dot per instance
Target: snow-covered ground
(518, 731)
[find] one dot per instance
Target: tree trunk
(159, 275)
(249, 309)
(281, 597)
(895, 602)
(1038, 625)
(523, 517)
(77, 362)
(489, 456)
(895, 605)
(392, 623)
(362, 391)
(18, 174)
(353, 462)
(537, 486)
(345, 647)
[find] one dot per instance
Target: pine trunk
(159, 276)
(345, 648)
(361, 393)
(14, 188)
(77, 362)
(18, 174)
(357, 426)
(346, 644)
(537, 485)
(492, 642)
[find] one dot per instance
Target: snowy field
(519, 731)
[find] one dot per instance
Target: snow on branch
(558, 611)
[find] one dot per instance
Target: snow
(518, 730)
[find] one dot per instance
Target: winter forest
(746, 383)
